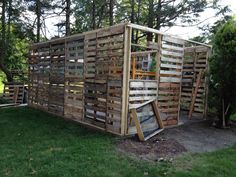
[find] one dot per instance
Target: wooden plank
(191, 109)
(170, 79)
(126, 73)
(173, 40)
(137, 124)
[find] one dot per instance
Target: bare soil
(194, 136)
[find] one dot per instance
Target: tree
(5, 39)
(68, 12)
(38, 13)
(91, 15)
(223, 70)
(12, 33)
(111, 12)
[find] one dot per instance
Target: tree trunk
(3, 44)
(137, 20)
(38, 14)
(132, 18)
(150, 19)
(68, 12)
(93, 15)
(158, 18)
(111, 13)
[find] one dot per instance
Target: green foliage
(233, 117)
(223, 66)
(2, 78)
(166, 14)
(34, 143)
(18, 51)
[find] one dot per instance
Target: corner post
(125, 84)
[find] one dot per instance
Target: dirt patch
(155, 149)
(194, 136)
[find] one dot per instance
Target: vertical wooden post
(158, 61)
(126, 76)
(180, 89)
(133, 67)
(64, 68)
(206, 85)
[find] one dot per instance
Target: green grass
(33, 143)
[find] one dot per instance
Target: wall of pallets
(171, 61)
(166, 86)
(39, 76)
(104, 54)
(195, 59)
(88, 77)
(80, 77)
(74, 78)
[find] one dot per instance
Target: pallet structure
(195, 68)
(97, 77)
(13, 92)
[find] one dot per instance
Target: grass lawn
(33, 143)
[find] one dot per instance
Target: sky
(189, 32)
(183, 32)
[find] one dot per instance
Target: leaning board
(147, 120)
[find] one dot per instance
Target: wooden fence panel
(195, 59)
(103, 70)
(74, 78)
(172, 51)
(14, 92)
(56, 87)
(39, 71)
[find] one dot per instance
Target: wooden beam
(191, 109)
(137, 125)
(158, 114)
(151, 30)
(126, 76)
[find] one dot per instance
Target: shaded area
(195, 135)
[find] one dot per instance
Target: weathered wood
(86, 77)
(191, 109)
(147, 124)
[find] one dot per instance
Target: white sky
(183, 32)
(189, 32)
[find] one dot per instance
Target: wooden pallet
(170, 78)
(195, 60)
(14, 92)
(147, 119)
